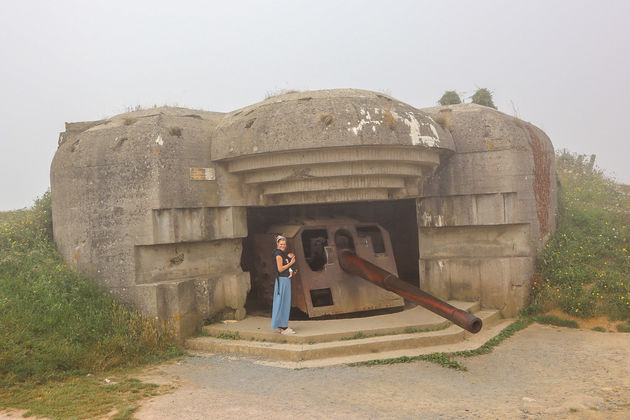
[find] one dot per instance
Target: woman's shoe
(287, 331)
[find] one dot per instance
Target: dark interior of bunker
(397, 217)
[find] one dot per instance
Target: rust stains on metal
(353, 264)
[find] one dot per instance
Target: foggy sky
(562, 65)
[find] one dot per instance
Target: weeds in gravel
(357, 336)
(623, 327)
(556, 320)
(446, 359)
(598, 328)
(229, 336)
(442, 359)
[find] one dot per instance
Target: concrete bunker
(155, 205)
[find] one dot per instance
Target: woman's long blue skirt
(281, 303)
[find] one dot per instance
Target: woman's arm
(281, 267)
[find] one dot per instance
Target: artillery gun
(344, 266)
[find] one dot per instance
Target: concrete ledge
(326, 339)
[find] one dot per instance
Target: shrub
(450, 97)
(483, 97)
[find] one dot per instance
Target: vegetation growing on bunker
(584, 269)
(450, 97)
(129, 120)
(326, 119)
(391, 121)
(175, 131)
(483, 97)
(444, 118)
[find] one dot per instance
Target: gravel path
(542, 372)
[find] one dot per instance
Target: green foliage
(585, 267)
(489, 345)
(624, 327)
(556, 320)
(598, 328)
(356, 336)
(53, 321)
(450, 97)
(78, 398)
(442, 359)
(445, 359)
(229, 336)
(483, 97)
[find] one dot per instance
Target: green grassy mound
(54, 322)
(585, 267)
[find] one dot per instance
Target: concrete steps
(325, 342)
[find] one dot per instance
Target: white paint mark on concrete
(366, 120)
(428, 141)
(414, 128)
(434, 131)
(426, 219)
(159, 140)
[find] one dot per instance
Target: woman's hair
(280, 238)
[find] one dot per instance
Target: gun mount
(334, 258)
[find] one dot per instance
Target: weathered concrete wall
(488, 208)
(326, 146)
(135, 205)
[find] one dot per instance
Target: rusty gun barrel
(353, 264)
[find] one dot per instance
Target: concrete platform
(334, 341)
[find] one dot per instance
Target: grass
(623, 327)
(79, 398)
(57, 326)
(326, 119)
(175, 131)
(229, 336)
(446, 359)
(391, 121)
(278, 92)
(584, 268)
(556, 320)
(129, 120)
(356, 336)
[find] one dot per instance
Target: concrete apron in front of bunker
(411, 332)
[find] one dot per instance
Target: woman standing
(282, 288)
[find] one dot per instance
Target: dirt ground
(542, 372)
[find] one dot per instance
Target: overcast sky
(562, 65)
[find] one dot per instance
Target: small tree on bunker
(450, 97)
(483, 97)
